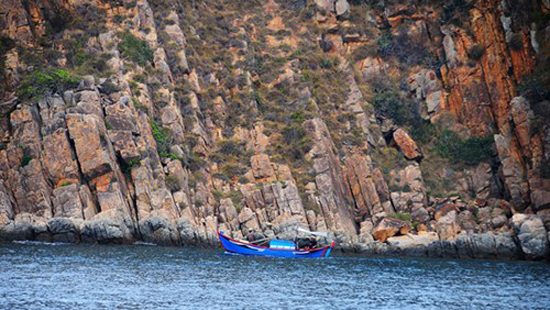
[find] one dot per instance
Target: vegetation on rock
(40, 83)
(163, 138)
(401, 216)
(469, 151)
(476, 52)
(135, 49)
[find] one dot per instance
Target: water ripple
(42, 276)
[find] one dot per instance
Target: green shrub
(230, 147)
(232, 170)
(138, 105)
(389, 105)
(363, 52)
(298, 117)
(395, 188)
(109, 87)
(535, 88)
(402, 46)
(220, 176)
(126, 167)
(40, 83)
(295, 143)
(293, 134)
(135, 49)
(516, 42)
(455, 11)
(92, 64)
(26, 160)
(471, 151)
(236, 197)
(385, 44)
(172, 183)
(400, 216)
(476, 52)
(63, 184)
(217, 195)
(194, 163)
(244, 180)
(191, 141)
(134, 162)
(6, 44)
(163, 137)
(388, 159)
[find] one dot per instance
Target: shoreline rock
(528, 245)
(400, 132)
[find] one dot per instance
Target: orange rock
(405, 229)
(407, 145)
(102, 183)
(421, 228)
(389, 227)
(276, 24)
(523, 60)
(384, 234)
(262, 168)
(358, 174)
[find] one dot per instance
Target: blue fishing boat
(281, 248)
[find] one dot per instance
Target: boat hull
(243, 248)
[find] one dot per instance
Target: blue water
(44, 276)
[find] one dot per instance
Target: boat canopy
(282, 244)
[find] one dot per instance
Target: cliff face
(417, 128)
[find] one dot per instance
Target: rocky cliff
(400, 127)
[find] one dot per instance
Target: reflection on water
(61, 276)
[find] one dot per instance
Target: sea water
(68, 276)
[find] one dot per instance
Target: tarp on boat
(282, 244)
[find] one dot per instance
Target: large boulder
(158, 229)
(109, 226)
(58, 158)
(63, 230)
(512, 172)
(531, 234)
(88, 134)
(25, 226)
(447, 226)
(342, 8)
(412, 193)
(486, 245)
(187, 228)
(389, 227)
(467, 221)
(66, 202)
(407, 145)
(359, 175)
(262, 168)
